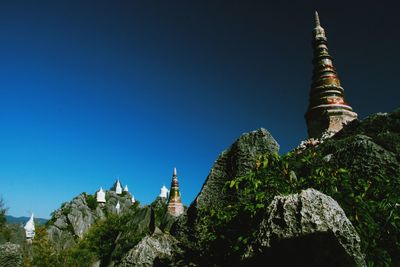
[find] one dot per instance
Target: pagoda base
(332, 121)
(175, 209)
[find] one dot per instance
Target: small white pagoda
(133, 199)
(118, 188)
(118, 207)
(30, 229)
(126, 188)
(101, 196)
(164, 192)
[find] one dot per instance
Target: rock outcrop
(10, 255)
(307, 229)
(235, 161)
(239, 159)
(370, 147)
(74, 218)
(158, 246)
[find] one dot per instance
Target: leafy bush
(91, 202)
(5, 232)
(97, 244)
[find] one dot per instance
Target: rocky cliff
(74, 218)
(332, 203)
(358, 167)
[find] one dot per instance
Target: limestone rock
(74, 218)
(163, 220)
(237, 160)
(307, 229)
(149, 249)
(140, 225)
(10, 255)
(370, 147)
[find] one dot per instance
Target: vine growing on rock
(370, 203)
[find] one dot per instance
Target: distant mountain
(17, 220)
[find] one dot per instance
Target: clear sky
(93, 90)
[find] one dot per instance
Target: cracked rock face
(10, 255)
(150, 248)
(235, 161)
(75, 218)
(307, 229)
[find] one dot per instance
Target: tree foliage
(99, 243)
(3, 211)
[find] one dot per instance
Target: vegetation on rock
(358, 168)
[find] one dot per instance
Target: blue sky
(93, 90)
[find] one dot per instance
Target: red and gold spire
(327, 111)
(175, 206)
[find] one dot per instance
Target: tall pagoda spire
(327, 111)
(175, 206)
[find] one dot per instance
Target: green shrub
(91, 202)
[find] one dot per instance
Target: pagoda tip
(174, 171)
(317, 22)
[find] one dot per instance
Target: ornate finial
(174, 171)
(317, 22)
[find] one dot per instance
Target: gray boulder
(306, 229)
(10, 255)
(235, 161)
(151, 248)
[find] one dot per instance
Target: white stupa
(133, 199)
(164, 192)
(101, 196)
(118, 207)
(30, 228)
(126, 188)
(118, 188)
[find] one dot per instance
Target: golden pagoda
(327, 111)
(175, 206)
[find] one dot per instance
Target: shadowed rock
(149, 249)
(235, 161)
(239, 159)
(306, 229)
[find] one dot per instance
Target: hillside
(21, 220)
